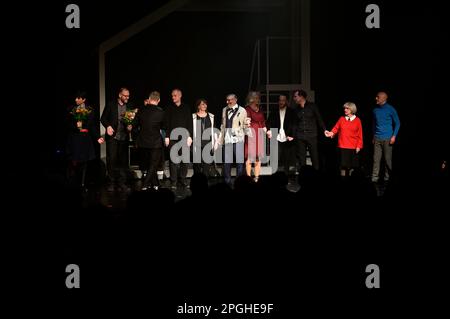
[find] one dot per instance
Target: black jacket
(148, 123)
(110, 116)
(178, 116)
(289, 121)
(307, 119)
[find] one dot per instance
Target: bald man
(386, 126)
(178, 115)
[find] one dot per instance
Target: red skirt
(255, 145)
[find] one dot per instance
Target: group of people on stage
(242, 136)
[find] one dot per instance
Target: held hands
(167, 141)
(110, 131)
(248, 121)
(289, 138)
(79, 124)
(101, 140)
(329, 134)
(269, 134)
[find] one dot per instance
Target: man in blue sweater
(386, 125)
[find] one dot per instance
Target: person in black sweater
(178, 116)
(307, 121)
(149, 123)
(81, 138)
(117, 138)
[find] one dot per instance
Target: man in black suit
(117, 139)
(149, 123)
(283, 120)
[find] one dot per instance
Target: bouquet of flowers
(81, 115)
(129, 116)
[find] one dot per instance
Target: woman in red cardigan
(350, 139)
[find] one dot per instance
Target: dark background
(209, 54)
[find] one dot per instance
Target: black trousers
(76, 173)
(304, 144)
(202, 167)
(285, 155)
(117, 160)
(153, 156)
(178, 172)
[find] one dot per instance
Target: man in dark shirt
(177, 116)
(307, 121)
(148, 123)
(117, 139)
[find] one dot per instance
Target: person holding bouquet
(350, 140)
(81, 138)
(117, 138)
(128, 118)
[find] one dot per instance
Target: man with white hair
(233, 129)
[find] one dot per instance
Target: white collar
(350, 117)
(233, 107)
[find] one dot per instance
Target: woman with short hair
(255, 139)
(82, 136)
(350, 139)
(203, 134)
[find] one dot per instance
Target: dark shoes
(178, 185)
(183, 185)
(123, 188)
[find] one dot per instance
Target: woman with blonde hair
(255, 139)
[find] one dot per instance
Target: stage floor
(116, 200)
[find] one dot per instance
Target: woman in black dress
(81, 138)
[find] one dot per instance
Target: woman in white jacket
(204, 138)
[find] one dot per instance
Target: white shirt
(234, 107)
(281, 137)
(230, 138)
